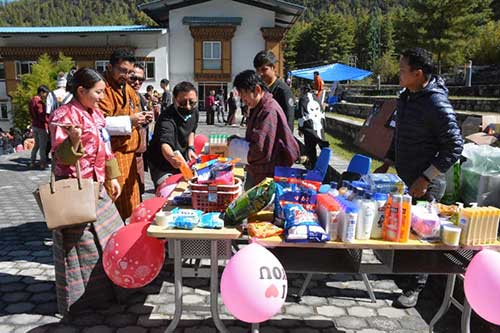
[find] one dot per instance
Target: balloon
(482, 285)
(147, 209)
(131, 259)
(254, 284)
(199, 142)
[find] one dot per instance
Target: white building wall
(247, 40)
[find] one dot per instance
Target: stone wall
(342, 127)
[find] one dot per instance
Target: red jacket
(271, 140)
(37, 112)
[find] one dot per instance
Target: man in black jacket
(265, 65)
(427, 140)
(174, 130)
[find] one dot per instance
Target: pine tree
(444, 26)
(374, 37)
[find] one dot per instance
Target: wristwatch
(191, 148)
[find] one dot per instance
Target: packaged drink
(187, 173)
(393, 219)
(378, 221)
(406, 219)
(349, 225)
(382, 182)
(365, 217)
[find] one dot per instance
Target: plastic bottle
(333, 190)
(393, 221)
(187, 173)
(349, 225)
(378, 220)
(343, 189)
(366, 216)
(406, 219)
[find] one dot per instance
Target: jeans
(41, 137)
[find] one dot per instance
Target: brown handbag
(68, 202)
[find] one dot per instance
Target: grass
(345, 149)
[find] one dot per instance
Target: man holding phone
(124, 119)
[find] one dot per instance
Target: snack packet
(263, 229)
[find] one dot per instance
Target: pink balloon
(131, 258)
(199, 142)
(147, 210)
(254, 284)
(482, 285)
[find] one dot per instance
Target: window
(149, 69)
(4, 111)
(212, 55)
(23, 67)
(100, 65)
(2, 71)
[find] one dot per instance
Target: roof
(286, 12)
(332, 72)
(211, 20)
(78, 29)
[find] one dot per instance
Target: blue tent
(332, 72)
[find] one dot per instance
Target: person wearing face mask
(78, 134)
(175, 130)
(124, 118)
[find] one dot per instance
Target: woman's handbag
(68, 202)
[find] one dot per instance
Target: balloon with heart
(131, 258)
(254, 284)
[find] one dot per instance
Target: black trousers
(435, 191)
(311, 140)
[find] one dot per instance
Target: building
(212, 41)
(205, 42)
(87, 46)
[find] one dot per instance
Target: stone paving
(332, 303)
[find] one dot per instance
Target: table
(415, 256)
(196, 244)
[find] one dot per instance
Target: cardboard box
(220, 149)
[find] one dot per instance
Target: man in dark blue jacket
(427, 140)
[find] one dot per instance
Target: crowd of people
(115, 133)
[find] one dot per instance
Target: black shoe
(408, 299)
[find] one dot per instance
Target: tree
(374, 30)
(444, 26)
(44, 71)
(487, 48)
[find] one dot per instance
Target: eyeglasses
(137, 78)
(191, 103)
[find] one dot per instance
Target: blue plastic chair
(360, 164)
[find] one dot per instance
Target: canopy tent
(332, 72)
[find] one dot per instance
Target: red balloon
(131, 258)
(147, 209)
(199, 142)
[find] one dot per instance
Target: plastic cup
(451, 235)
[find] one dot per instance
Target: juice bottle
(187, 173)
(464, 223)
(392, 229)
(406, 222)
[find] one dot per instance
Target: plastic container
(349, 225)
(214, 198)
(394, 220)
(328, 210)
(333, 192)
(404, 236)
(367, 213)
(378, 220)
(451, 234)
(163, 218)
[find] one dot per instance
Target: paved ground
(333, 303)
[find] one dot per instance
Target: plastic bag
(263, 229)
(480, 173)
(302, 225)
(250, 202)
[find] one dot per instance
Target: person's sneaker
(408, 299)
